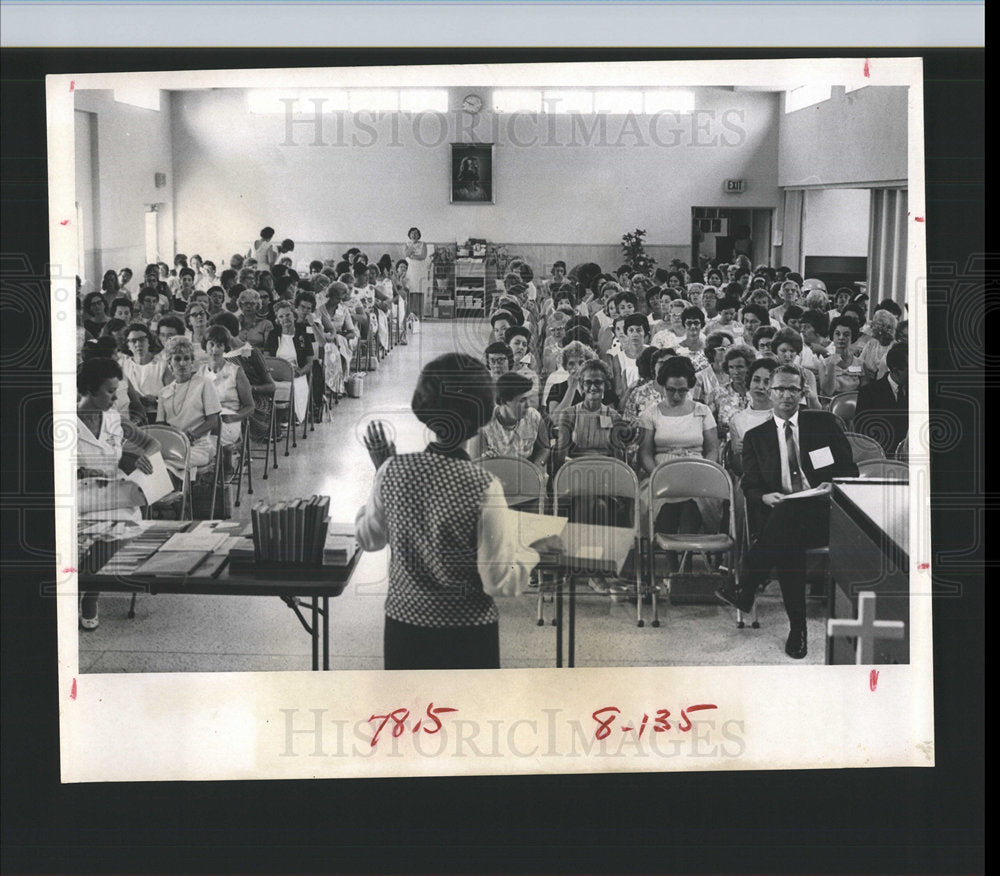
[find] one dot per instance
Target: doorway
(720, 233)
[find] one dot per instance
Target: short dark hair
(526, 273)
(499, 348)
(305, 296)
(636, 319)
(787, 336)
(559, 264)
(148, 292)
(714, 342)
(453, 398)
(267, 232)
(759, 312)
(848, 323)
(511, 385)
(103, 347)
(818, 320)
(693, 313)
(891, 306)
(90, 299)
(121, 302)
(94, 371)
(220, 335)
(676, 366)
(596, 364)
(897, 357)
(765, 331)
(173, 322)
(514, 331)
(228, 321)
(626, 296)
(503, 314)
(764, 362)
(793, 311)
(414, 228)
(139, 327)
(740, 351)
(186, 272)
(729, 302)
(858, 311)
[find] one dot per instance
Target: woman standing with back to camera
(445, 520)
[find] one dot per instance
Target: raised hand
(378, 445)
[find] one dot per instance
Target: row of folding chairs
(593, 478)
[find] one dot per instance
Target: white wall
(132, 145)
(236, 172)
(835, 222)
(851, 138)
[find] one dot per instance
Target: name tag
(853, 369)
(821, 458)
(606, 421)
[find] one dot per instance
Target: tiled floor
(204, 634)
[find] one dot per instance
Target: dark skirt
(411, 647)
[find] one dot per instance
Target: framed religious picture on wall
(472, 173)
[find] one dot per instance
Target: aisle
(212, 634)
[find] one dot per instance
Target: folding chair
(902, 450)
(281, 372)
(245, 464)
(844, 404)
(176, 449)
(604, 477)
(522, 482)
(680, 480)
(864, 448)
(889, 469)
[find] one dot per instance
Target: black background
(880, 820)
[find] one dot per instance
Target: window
(515, 100)
(306, 101)
(574, 101)
(806, 95)
(617, 102)
(673, 100)
(423, 100)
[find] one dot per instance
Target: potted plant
(634, 251)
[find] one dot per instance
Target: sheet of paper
(156, 485)
(194, 541)
(805, 494)
(532, 527)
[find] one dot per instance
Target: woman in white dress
(190, 404)
(230, 381)
(625, 362)
(102, 437)
(146, 372)
(341, 333)
(290, 342)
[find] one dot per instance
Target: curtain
(887, 247)
(791, 225)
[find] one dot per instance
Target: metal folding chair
(522, 482)
(281, 372)
(844, 404)
(175, 448)
(864, 448)
(680, 480)
(604, 477)
(889, 469)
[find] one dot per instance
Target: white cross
(866, 629)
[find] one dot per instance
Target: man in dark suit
(796, 450)
(882, 411)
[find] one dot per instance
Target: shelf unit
(473, 278)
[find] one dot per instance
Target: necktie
(793, 458)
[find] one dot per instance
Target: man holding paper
(788, 463)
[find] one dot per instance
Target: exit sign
(734, 186)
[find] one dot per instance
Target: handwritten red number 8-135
(661, 723)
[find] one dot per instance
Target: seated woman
(254, 327)
(290, 342)
(95, 313)
(190, 404)
(763, 341)
(196, 319)
(231, 383)
(693, 345)
(679, 427)
(589, 427)
(735, 396)
(516, 428)
(758, 380)
(563, 389)
(624, 363)
(145, 372)
(712, 378)
(841, 371)
(555, 329)
(445, 520)
(251, 360)
(102, 437)
(787, 347)
(518, 338)
(128, 402)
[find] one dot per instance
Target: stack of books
(290, 532)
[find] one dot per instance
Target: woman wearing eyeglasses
(693, 345)
(146, 372)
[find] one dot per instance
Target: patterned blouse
(518, 440)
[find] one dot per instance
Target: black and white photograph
(658, 407)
